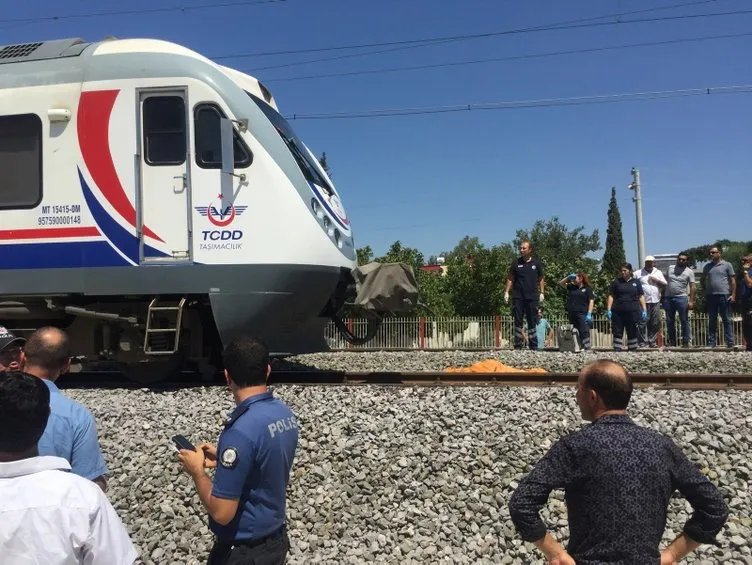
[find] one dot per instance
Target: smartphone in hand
(182, 443)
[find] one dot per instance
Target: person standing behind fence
(720, 289)
(652, 281)
(543, 331)
(745, 299)
(526, 281)
(626, 306)
(679, 297)
(580, 302)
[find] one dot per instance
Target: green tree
(466, 249)
(562, 251)
(476, 283)
(731, 251)
(398, 253)
(614, 255)
(365, 255)
(553, 240)
(434, 294)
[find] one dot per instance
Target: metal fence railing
(495, 332)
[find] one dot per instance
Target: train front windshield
(296, 147)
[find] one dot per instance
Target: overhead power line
(518, 104)
(455, 37)
(513, 57)
(187, 8)
(553, 27)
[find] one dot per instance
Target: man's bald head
(611, 381)
(48, 349)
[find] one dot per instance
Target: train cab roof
(61, 51)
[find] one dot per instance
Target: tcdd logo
(221, 235)
(218, 215)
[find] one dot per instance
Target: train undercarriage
(153, 338)
(147, 339)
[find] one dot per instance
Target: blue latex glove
(608, 314)
(572, 276)
(644, 315)
(589, 318)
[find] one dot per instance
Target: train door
(164, 182)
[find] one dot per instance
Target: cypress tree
(614, 254)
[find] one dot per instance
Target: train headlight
(328, 226)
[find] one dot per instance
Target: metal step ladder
(178, 308)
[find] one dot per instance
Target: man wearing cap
(11, 350)
(653, 282)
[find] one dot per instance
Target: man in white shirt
(653, 282)
(47, 513)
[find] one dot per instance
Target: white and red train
(155, 203)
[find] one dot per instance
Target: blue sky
(430, 179)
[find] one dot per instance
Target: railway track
(699, 381)
(361, 349)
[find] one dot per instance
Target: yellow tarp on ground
(492, 366)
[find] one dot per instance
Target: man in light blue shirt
(71, 432)
(543, 330)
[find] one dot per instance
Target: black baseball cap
(8, 338)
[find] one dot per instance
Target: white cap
(649, 258)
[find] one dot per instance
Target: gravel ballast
(401, 475)
(641, 361)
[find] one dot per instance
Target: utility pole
(635, 185)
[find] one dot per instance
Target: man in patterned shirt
(618, 478)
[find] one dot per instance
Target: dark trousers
(678, 305)
(648, 329)
(719, 304)
(747, 323)
(577, 319)
(529, 309)
(272, 550)
(625, 320)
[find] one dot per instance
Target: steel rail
(690, 381)
(445, 378)
(491, 349)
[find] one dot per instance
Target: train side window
(164, 130)
(20, 161)
(208, 139)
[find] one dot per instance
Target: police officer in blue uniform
(246, 502)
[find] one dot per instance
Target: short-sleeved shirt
(626, 294)
(254, 457)
(541, 331)
(678, 279)
(71, 433)
(578, 299)
(717, 277)
(525, 276)
(50, 515)
(745, 292)
(651, 291)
